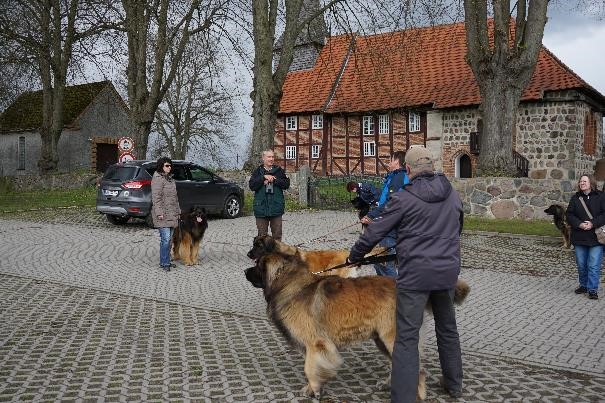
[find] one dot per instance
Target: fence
(331, 193)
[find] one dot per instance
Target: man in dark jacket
(268, 182)
(427, 216)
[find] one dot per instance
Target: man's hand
(269, 178)
(350, 262)
(365, 219)
(586, 225)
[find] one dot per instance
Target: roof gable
(26, 112)
(411, 68)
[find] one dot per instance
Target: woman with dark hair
(165, 208)
(585, 212)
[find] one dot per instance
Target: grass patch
(513, 226)
(46, 199)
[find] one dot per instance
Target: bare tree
(502, 71)
(267, 84)
(157, 33)
(43, 34)
(195, 112)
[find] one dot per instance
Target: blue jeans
(165, 243)
(406, 360)
(588, 259)
(387, 268)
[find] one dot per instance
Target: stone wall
(550, 134)
(64, 180)
(522, 198)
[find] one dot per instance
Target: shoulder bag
(600, 232)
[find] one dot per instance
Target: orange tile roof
(423, 66)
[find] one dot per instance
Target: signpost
(125, 146)
(126, 157)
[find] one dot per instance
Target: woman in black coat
(589, 252)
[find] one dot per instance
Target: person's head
(587, 183)
(352, 186)
(268, 158)
(397, 160)
(419, 159)
(164, 165)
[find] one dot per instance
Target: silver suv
(124, 191)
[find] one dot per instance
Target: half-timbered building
(367, 96)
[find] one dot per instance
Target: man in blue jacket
(427, 216)
(394, 181)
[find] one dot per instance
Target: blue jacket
(427, 216)
(393, 182)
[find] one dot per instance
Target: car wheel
(117, 219)
(232, 207)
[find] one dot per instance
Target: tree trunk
(502, 70)
(499, 108)
(264, 113)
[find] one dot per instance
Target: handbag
(600, 232)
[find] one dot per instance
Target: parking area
(87, 313)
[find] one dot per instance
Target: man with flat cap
(427, 216)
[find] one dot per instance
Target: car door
(207, 193)
(183, 190)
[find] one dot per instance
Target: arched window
(464, 167)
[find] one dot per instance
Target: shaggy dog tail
(461, 292)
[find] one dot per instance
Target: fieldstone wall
(550, 134)
(64, 180)
(522, 198)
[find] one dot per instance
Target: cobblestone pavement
(86, 313)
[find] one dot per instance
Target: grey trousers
(262, 226)
(410, 309)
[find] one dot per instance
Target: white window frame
(383, 124)
(413, 122)
(315, 150)
(318, 121)
(291, 123)
(290, 152)
(368, 125)
(369, 148)
(21, 153)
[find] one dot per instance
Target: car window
(179, 173)
(120, 173)
(199, 174)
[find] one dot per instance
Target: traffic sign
(126, 157)
(125, 144)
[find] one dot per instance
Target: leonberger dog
(316, 260)
(560, 220)
(319, 315)
(187, 237)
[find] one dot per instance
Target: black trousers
(410, 310)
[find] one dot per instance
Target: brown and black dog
(188, 235)
(560, 220)
(321, 315)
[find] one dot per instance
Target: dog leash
(373, 259)
(323, 236)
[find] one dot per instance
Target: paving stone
(85, 312)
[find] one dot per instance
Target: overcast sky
(579, 42)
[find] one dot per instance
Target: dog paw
(307, 391)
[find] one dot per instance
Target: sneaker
(581, 290)
(593, 295)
